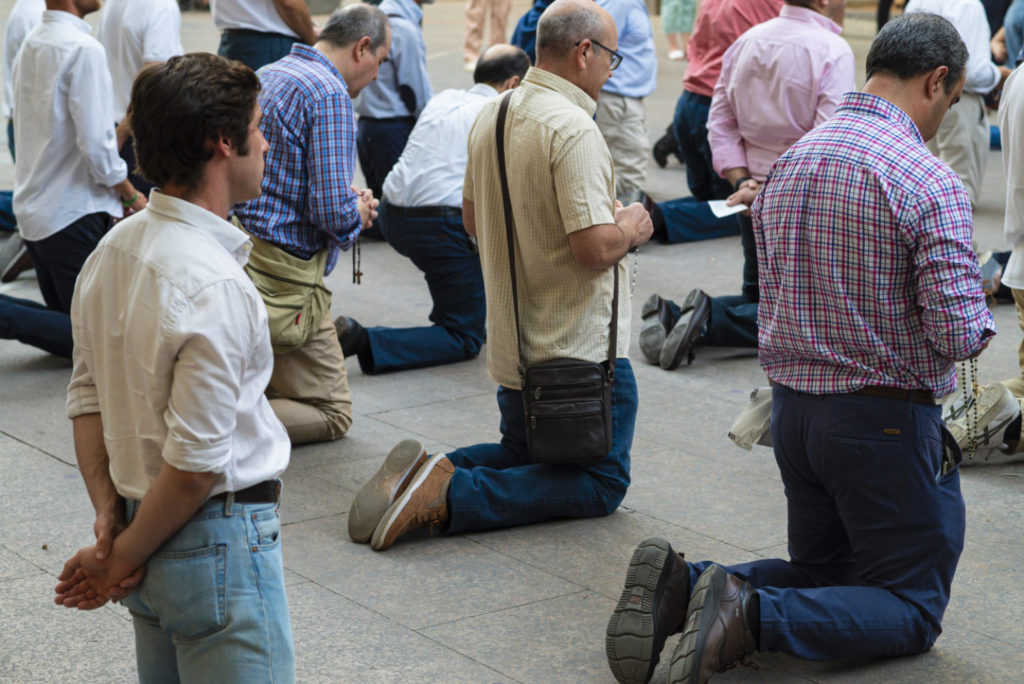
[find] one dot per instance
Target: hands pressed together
(367, 205)
(745, 194)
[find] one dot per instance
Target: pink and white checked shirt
(867, 275)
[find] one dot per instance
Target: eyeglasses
(616, 58)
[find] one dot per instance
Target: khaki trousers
(309, 388)
(1016, 385)
(623, 123)
(962, 142)
(475, 10)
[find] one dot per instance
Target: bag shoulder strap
(506, 201)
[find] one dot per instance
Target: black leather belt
(425, 212)
(916, 395)
(268, 491)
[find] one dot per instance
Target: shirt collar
(483, 89)
(66, 18)
(572, 92)
(236, 242)
(809, 16)
(873, 105)
(311, 54)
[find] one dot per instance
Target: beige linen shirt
(560, 181)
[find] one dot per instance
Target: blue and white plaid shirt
(307, 201)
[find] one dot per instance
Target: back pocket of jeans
(187, 590)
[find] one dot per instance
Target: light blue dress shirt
(637, 76)
(406, 66)
(430, 171)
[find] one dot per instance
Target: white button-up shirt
(968, 16)
(1011, 118)
(64, 133)
(432, 167)
(172, 348)
(25, 16)
(134, 32)
(251, 15)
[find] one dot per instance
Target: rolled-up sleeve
(214, 334)
(955, 319)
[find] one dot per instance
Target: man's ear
(581, 53)
(222, 146)
(361, 49)
(936, 82)
(512, 82)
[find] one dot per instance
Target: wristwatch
(739, 182)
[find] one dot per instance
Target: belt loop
(229, 503)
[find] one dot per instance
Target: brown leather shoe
(652, 606)
(717, 635)
(423, 503)
(381, 490)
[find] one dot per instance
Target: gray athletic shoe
(377, 495)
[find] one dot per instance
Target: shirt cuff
(82, 401)
(197, 457)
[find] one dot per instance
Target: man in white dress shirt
(136, 33)
(422, 211)
(258, 32)
(24, 16)
(963, 139)
(177, 443)
(68, 179)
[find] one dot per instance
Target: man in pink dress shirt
(778, 80)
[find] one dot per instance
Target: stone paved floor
(519, 605)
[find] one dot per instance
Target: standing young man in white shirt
(68, 179)
(177, 444)
(136, 33)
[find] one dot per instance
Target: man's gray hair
(558, 34)
(915, 44)
(349, 24)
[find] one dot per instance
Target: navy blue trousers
(875, 528)
(254, 48)
(497, 485)
(379, 143)
(733, 321)
(58, 259)
(441, 249)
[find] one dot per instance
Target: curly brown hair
(180, 108)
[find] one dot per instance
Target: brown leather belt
(916, 395)
(267, 491)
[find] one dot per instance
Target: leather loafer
(684, 334)
(717, 635)
(652, 606)
(381, 490)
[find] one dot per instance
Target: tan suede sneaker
(424, 502)
(381, 490)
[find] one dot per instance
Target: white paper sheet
(720, 209)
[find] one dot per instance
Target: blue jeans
(10, 137)
(733, 320)
(689, 220)
(875, 528)
(8, 224)
(254, 48)
(212, 606)
(379, 143)
(441, 249)
(691, 131)
(58, 259)
(497, 485)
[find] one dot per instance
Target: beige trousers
(623, 123)
(309, 388)
(475, 11)
(1016, 385)
(962, 142)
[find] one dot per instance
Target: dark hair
(498, 69)
(353, 22)
(179, 108)
(915, 44)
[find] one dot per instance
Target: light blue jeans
(212, 606)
